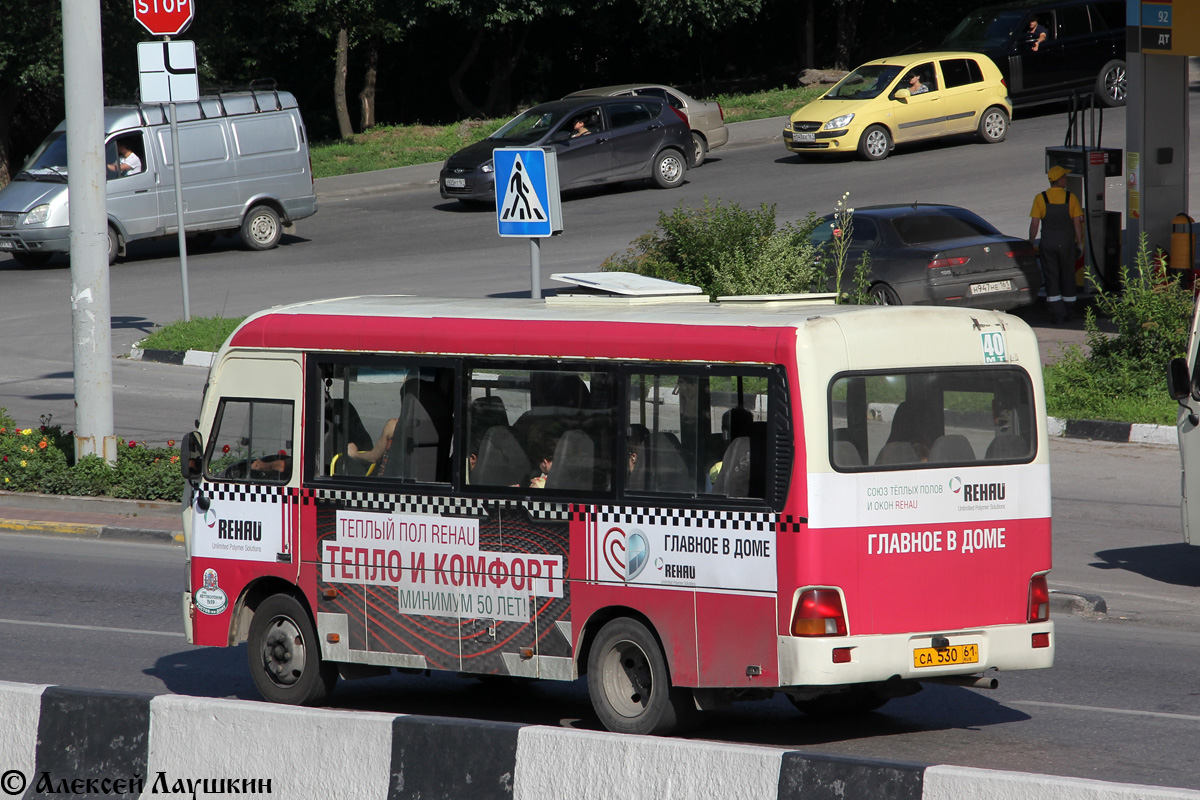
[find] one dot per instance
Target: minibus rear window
(935, 417)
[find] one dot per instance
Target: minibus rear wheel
(285, 656)
(261, 229)
(629, 685)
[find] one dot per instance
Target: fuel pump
(1088, 167)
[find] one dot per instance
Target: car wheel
(669, 169)
(26, 259)
(261, 229)
(114, 245)
(1111, 84)
(875, 143)
(993, 126)
(285, 657)
(629, 685)
(699, 150)
(884, 295)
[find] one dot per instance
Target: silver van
(245, 170)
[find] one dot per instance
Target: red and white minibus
(689, 502)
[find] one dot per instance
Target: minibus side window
(387, 420)
(919, 418)
(252, 441)
(543, 429)
(698, 435)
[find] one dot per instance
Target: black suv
(1084, 48)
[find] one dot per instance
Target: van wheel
(875, 143)
(669, 169)
(285, 656)
(261, 229)
(993, 126)
(31, 259)
(699, 150)
(629, 685)
(1112, 84)
(114, 245)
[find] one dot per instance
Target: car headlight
(39, 215)
(488, 166)
(837, 122)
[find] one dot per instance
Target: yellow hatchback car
(904, 99)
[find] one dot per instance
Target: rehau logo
(240, 529)
(982, 492)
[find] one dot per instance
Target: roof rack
(624, 288)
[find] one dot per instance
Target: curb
(86, 531)
(1077, 603)
(171, 744)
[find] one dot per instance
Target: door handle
(601, 140)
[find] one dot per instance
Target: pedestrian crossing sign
(527, 197)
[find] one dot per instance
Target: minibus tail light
(1039, 599)
(819, 613)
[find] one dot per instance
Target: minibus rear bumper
(810, 661)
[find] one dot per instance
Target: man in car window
(1037, 33)
(1061, 217)
(127, 164)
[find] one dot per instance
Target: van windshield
(864, 83)
(49, 161)
(984, 28)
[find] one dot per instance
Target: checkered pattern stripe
(689, 518)
(248, 493)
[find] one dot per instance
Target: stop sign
(163, 17)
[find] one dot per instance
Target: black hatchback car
(1083, 49)
(929, 254)
(597, 140)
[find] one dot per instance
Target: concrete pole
(90, 301)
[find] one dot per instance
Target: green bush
(725, 250)
(1122, 378)
(40, 460)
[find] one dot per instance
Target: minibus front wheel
(629, 684)
(285, 656)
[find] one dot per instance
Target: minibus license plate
(994, 286)
(456, 183)
(804, 137)
(946, 656)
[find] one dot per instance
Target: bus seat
(667, 470)
(501, 460)
(421, 444)
(574, 463)
(845, 454)
(1005, 446)
(951, 447)
(897, 453)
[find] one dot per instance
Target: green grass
(202, 333)
(391, 146)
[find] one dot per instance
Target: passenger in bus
(378, 454)
(541, 447)
(735, 423)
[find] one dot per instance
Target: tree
(30, 75)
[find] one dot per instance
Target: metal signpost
(528, 202)
(167, 73)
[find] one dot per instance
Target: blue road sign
(527, 197)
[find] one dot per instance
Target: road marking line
(175, 634)
(1130, 712)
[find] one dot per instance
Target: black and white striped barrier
(62, 742)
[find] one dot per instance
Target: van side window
(540, 428)
(698, 434)
(926, 418)
(386, 420)
(125, 155)
(252, 442)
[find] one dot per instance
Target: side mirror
(191, 456)
(902, 95)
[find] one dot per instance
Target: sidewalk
(91, 517)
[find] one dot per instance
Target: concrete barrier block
(553, 763)
(955, 783)
(436, 758)
(303, 752)
(20, 706)
(87, 734)
(805, 776)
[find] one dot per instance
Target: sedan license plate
(804, 137)
(946, 656)
(456, 183)
(993, 286)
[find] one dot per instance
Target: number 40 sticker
(994, 351)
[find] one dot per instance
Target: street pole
(88, 218)
(175, 159)
(535, 268)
